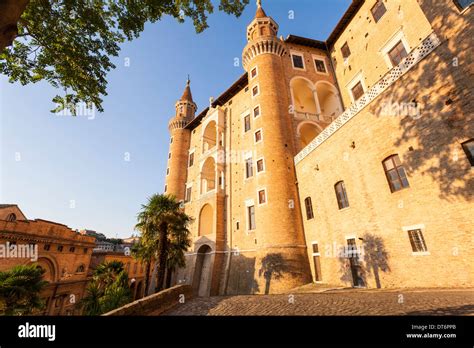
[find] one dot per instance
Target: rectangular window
(247, 123)
(468, 148)
(346, 52)
(378, 10)
(260, 167)
(171, 140)
(417, 241)
(256, 111)
(60, 248)
(169, 155)
(341, 194)
(187, 197)
(255, 91)
(237, 225)
(72, 249)
(167, 171)
(298, 61)
(462, 4)
(396, 176)
(357, 91)
(85, 250)
(320, 66)
(317, 262)
(262, 197)
(248, 168)
(258, 136)
(309, 208)
(397, 53)
(191, 160)
(251, 217)
(47, 247)
(253, 72)
(166, 188)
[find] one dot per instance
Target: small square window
(253, 73)
(256, 111)
(47, 247)
(258, 136)
(247, 123)
(72, 249)
(357, 91)
(315, 248)
(60, 248)
(298, 61)
(378, 10)
(320, 66)
(346, 52)
(255, 91)
(397, 53)
(260, 167)
(262, 197)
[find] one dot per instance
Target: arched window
(341, 194)
(396, 176)
(11, 217)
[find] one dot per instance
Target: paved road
(336, 302)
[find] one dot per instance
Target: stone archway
(49, 268)
(306, 132)
(203, 271)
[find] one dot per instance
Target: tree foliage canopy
(69, 43)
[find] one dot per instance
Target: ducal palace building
(347, 162)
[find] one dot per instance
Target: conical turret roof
(187, 96)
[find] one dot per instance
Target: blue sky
(73, 170)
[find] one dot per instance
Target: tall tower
(281, 247)
(176, 172)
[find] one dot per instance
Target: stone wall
(156, 303)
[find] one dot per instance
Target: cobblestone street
(336, 302)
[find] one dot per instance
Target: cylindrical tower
(282, 261)
(176, 173)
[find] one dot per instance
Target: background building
(64, 254)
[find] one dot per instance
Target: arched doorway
(202, 271)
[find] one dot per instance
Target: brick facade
(299, 101)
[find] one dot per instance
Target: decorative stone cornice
(177, 124)
(264, 45)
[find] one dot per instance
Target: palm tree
(160, 222)
(108, 290)
(144, 253)
(20, 288)
(90, 303)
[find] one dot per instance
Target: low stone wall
(156, 303)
